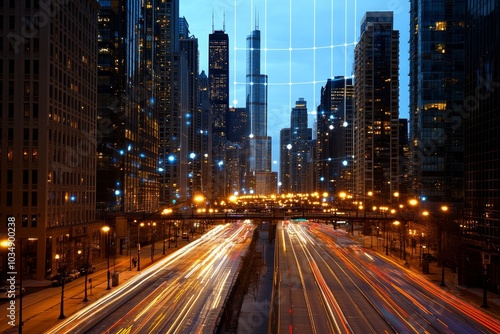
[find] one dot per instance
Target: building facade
(48, 131)
(436, 89)
(218, 74)
(258, 145)
(334, 137)
(299, 150)
(480, 229)
(127, 143)
(376, 115)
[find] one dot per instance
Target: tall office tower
(171, 72)
(334, 137)
(299, 150)
(480, 119)
(218, 75)
(285, 152)
(188, 45)
(205, 133)
(436, 87)
(48, 99)
(127, 147)
(258, 143)
(236, 125)
(404, 158)
(376, 115)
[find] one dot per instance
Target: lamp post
(397, 223)
(153, 225)
(139, 246)
(106, 229)
(164, 238)
(444, 209)
(62, 272)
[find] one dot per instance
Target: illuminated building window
(441, 25)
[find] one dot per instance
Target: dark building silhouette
(48, 100)
(127, 147)
(218, 74)
(188, 46)
(480, 121)
(205, 134)
(376, 117)
(334, 164)
(436, 88)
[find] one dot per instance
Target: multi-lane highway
(183, 293)
(329, 284)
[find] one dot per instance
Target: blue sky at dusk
(303, 44)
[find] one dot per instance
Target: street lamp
(62, 272)
(444, 209)
(397, 223)
(106, 229)
(139, 246)
(153, 226)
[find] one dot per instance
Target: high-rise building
(479, 117)
(436, 87)
(376, 116)
(218, 75)
(404, 158)
(192, 123)
(205, 133)
(285, 152)
(172, 74)
(299, 150)
(334, 137)
(258, 142)
(236, 125)
(48, 99)
(127, 147)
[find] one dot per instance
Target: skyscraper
(127, 148)
(376, 116)
(172, 74)
(188, 45)
(299, 150)
(205, 133)
(480, 120)
(436, 87)
(218, 75)
(48, 129)
(285, 146)
(258, 143)
(334, 137)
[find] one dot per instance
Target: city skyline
(297, 65)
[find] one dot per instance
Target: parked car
(86, 269)
(74, 274)
(6, 292)
(57, 279)
(430, 257)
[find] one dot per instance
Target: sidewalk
(42, 309)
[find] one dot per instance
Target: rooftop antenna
(256, 20)
(212, 20)
(224, 22)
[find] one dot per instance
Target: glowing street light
(106, 229)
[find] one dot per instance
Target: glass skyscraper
(259, 144)
(218, 74)
(480, 120)
(436, 89)
(376, 116)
